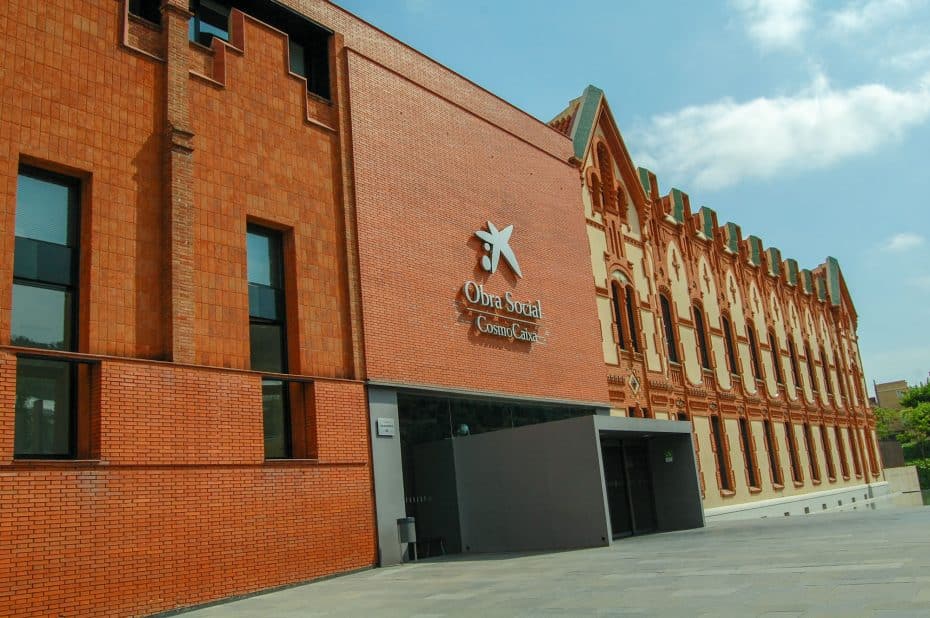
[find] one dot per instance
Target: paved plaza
(860, 563)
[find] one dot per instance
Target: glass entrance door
(621, 521)
(628, 481)
(639, 480)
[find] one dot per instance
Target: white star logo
(498, 243)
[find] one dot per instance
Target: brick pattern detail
(181, 509)
(417, 246)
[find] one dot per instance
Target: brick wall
(180, 508)
(427, 175)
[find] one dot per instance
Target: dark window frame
(74, 187)
(752, 469)
(793, 358)
(797, 475)
(729, 343)
(631, 317)
(276, 237)
(771, 445)
(812, 458)
(618, 313)
(669, 326)
(147, 10)
(718, 433)
(754, 352)
(776, 358)
(700, 328)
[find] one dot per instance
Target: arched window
(701, 336)
(810, 366)
(825, 367)
(827, 452)
(754, 352)
(776, 358)
(793, 357)
(840, 376)
(669, 329)
(631, 319)
(608, 195)
(731, 348)
(596, 203)
(749, 454)
(618, 315)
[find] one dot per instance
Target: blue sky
(807, 123)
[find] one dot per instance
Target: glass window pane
(267, 348)
(41, 317)
(43, 408)
(296, 53)
(263, 250)
(42, 210)
(274, 406)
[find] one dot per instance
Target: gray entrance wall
(675, 483)
(531, 488)
(388, 474)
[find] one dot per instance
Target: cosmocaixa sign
(501, 315)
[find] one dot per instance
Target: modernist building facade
(699, 323)
(271, 280)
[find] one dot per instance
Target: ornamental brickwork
(701, 323)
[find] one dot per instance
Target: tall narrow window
(841, 449)
(618, 315)
(45, 287)
(670, 339)
(854, 449)
(771, 447)
(827, 452)
(701, 336)
(754, 352)
(790, 438)
(745, 435)
(776, 358)
(267, 334)
(810, 367)
(793, 357)
(825, 366)
(631, 318)
(811, 452)
(731, 348)
(723, 469)
(840, 376)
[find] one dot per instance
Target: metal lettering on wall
(503, 316)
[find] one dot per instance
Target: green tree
(917, 426)
(916, 395)
(889, 424)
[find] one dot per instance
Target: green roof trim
(732, 237)
(584, 121)
(791, 271)
(678, 205)
(755, 250)
(774, 260)
(821, 286)
(644, 180)
(707, 221)
(807, 280)
(833, 280)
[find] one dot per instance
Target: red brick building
(248, 309)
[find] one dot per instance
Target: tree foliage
(889, 424)
(916, 395)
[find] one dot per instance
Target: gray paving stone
(857, 563)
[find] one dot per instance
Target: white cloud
(865, 15)
(721, 143)
(911, 59)
(775, 23)
(903, 242)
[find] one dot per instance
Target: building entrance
(628, 484)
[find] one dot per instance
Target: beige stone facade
(699, 322)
